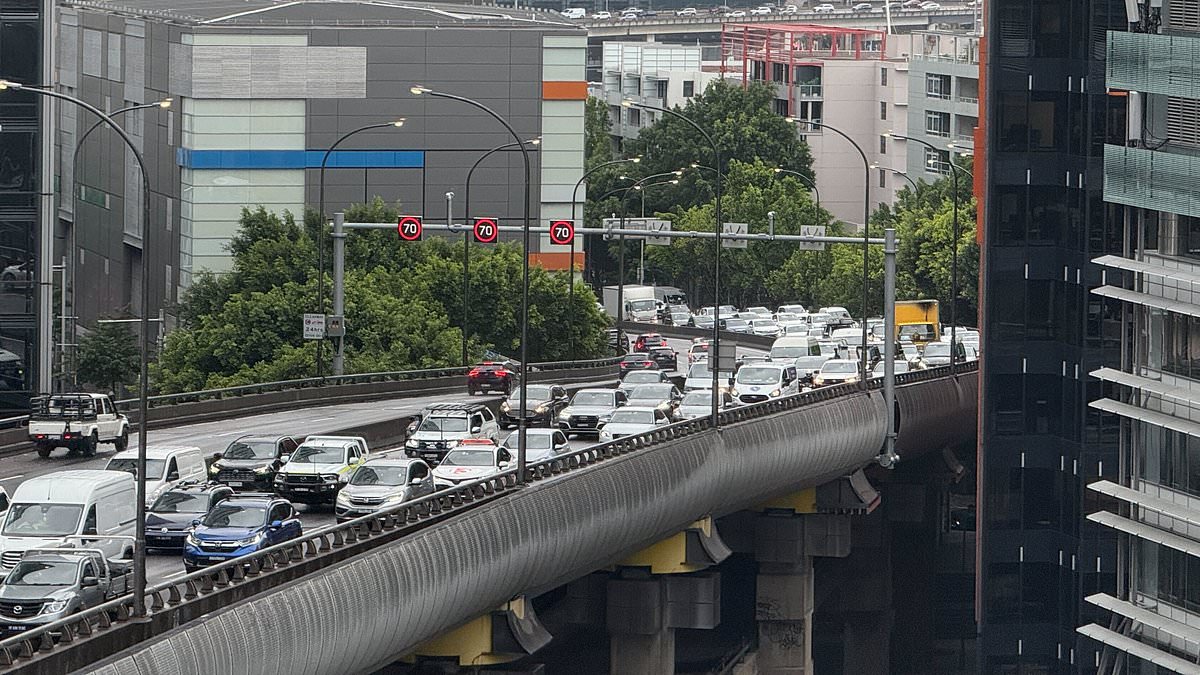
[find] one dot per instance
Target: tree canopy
(109, 357)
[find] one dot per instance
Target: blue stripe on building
(299, 159)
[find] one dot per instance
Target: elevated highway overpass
(666, 23)
(429, 566)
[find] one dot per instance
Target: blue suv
(238, 526)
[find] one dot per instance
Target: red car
(645, 341)
(491, 376)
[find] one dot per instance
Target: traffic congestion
(68, 526)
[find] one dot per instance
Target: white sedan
(632, 421)
(474, 458)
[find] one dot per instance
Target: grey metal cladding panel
(396, 54)
(180, 69)
(93, 56)
(276, 71)
(68, 50)
(135, 69)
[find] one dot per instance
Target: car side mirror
(276, 524)
(353, 461)
(475, 430)
(89, 582)
(284, 459)
(411, 428)
(174, 475)
(196, 523)
(502, 465)
(415, 481)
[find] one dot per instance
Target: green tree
(109, 357)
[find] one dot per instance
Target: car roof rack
(454, 407)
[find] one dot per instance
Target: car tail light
(647, 363)
(474, 373)
(503, 373)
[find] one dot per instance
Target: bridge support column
(659, 589)
(505, 635)
(786, 539)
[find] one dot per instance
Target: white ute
(79, 422)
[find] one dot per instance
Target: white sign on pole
(812, 231)
(658, 226)
(314, 326)
(727, 358)
(734, 228)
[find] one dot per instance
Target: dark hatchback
(170, 517)
(490, 376)
(543, 402)
(251, 462)
(665, 357)
(637, 361)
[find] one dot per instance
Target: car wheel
(44, 450)
(122, 441)
(90, 445)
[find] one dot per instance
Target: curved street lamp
(467, 235)
(810, 183)
(898, 172)
(716, 338)
(522, 421)
(139, 545)
(395, 124)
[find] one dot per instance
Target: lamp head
(674, 181)
(778, 169)
(535, 141)
(627, 103)
(165, 103)
(695, 165)
(398, 122)
(889, 134)
(9, 84)
(679, 172)
(417, 90)
(636, 160)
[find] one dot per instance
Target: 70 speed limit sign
(562, 232)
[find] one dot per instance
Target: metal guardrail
(389, 524)
(701, 19)
(166, 400)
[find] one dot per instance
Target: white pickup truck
(79, 422)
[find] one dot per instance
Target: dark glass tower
(1043, 220)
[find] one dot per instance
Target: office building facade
(1041, 163)
(943, 100)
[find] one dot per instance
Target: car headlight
(564, 415)
(192, 540)
(342, 499)
(214, 469)
(541, 409)
(252, 540)
(733, 392)
(775, 393)
(263, 469)
(605, 418)
(329, 477)
(54, 606)
(818, 380)
(279, 478)
(504, 406)
(411, 443)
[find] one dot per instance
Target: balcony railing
(808, 90)
(937, 94)
(967, 99)
(938, 132)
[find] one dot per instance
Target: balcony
(1156, 64)
(1149, 179)
(967, 99)
(808, 90)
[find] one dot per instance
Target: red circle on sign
(409, 228)
(562, 232)
(486, 230)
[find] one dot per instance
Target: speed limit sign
(409, 228)
(562, 232)
(486, 230)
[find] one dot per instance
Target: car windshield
(379, 474)
(181, 502)
(637, 356)
(764, 323)
(235, 515)
(702, 347)
(250, 450)
(639, 305)
(736, 323)
(788, 352)
(632, 417)
(901, 367)
(532, 393)
(840, 367)
(697, 398)
(532, 440)
(758, 375)
(699, 370)
(318, 454)
(656, 392)
(937, 349)
(469, 458)
(42, 573)
(43, 520)
(642, 377)
(601, 398)
(154, 467)
(444, 424)
(811, 361)
(918, 331)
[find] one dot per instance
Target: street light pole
(163, 104)
(812, 184)
(139, 546)
(397, 123)
(898, 172)
(866, 247)
(467, 235)
(715, 351)
(571, 264)
(523, 420)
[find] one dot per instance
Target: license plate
(236, 483)
(213, 558)
(17, 629)
(299, 489)
(429, 455)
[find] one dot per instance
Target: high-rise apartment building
(1048, 120)
(1150, 621)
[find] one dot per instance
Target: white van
(58, 508)
(789, 348)
(764, 381)
(574, 13)
(166, 467)
(852, 336)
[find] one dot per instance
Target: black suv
(491, 376)
(169, 518)
(543, 402)
(251, 462)
(665, 357)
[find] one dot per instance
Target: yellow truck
(918, 319)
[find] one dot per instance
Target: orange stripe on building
(556, 260)
(564, 91)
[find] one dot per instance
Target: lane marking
(20, 475)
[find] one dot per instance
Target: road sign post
(335, 325)
(727, 358)
(735, 229)
(811, 231)
(314, 326)
(487, 230)
(562, 232)
(409, 228)
(654, 225)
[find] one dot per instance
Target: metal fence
(174, 601)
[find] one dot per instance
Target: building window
(809, 111)
(883, 77)
(661, 87)
(883, 145)
(937, 161)
(689, 88)
(780, 72)
(883, 110)
(937, 124)
(782, 108)
(937, 86)
(635, 117)
(883, 178)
